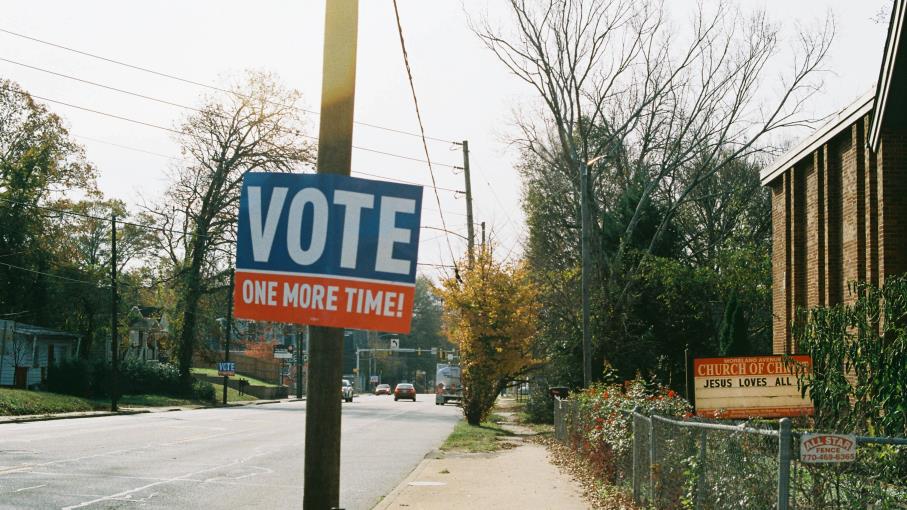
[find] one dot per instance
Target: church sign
(751, 387)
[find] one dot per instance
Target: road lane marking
(30, 488)
(184, 477)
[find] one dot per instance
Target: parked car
(383, 389)
(405, 390)
(346, 391)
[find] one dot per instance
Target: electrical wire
(412, 87)
(175, 131)
(35, 271)
(200, 84)
(152, 153)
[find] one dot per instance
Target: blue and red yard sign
(327, 250)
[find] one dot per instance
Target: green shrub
(203, 391)
(71, 377)
(136, 377)
(859, 355)
(540, 406)
(603, 431)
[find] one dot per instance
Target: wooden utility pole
(587, 334)
(299, 358)
(114, 318)
(335, 142)
(470, 228)
(227, 338)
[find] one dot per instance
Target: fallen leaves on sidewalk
(598, 494)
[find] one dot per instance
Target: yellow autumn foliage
(491, 314)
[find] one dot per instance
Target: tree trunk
(190, 314)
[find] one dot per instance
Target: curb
(100, 414)
(52, 417)
(391, 496)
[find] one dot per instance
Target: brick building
(839, 198)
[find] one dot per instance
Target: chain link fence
(699, 464)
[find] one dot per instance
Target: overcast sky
(464, 92)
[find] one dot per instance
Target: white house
(26, 351)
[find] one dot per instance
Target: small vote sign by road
(327, 250)
(227, 368)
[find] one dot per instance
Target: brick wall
(892, 243)
(838, 215)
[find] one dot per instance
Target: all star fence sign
(327, 250)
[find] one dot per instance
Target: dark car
(383, 389)
(405, 390)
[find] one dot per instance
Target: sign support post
(322, 431)
(229, 330)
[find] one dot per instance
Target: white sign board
(395, 343)
(373, 379)
(827, 448)
(750, 387)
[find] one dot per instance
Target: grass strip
(213, 372)
(475, 439)
(22, 402)
(232, 394)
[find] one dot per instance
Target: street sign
(395, 343)
(227, 368)
(373, 379)
(827, 448)
(327, 250)
(281, 352)
(750, 387)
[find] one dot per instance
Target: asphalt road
(241, 457)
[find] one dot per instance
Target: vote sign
(227, 368)
(327, 250)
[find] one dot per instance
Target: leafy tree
(491, 316)
(255, 128)
(655, 120)
(38, 158)
(733, 337)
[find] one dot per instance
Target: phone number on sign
(828, 457)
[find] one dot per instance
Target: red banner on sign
(323, 301)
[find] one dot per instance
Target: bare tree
(256, 128)
(649, 107)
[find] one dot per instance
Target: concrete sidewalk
(518, 476)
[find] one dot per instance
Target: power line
(98, 112)
(412, 87)
(120, 221)
(164, 101)
(126, 147)
(101, 85)
(152, 153)
(200, 84)
(35, 271)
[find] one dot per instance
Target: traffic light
(442, 355)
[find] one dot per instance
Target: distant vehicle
(404, 390)
(448, 387)
(383, 389)
(346, 391)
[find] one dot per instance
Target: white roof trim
(884, 86)
(841, 121)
